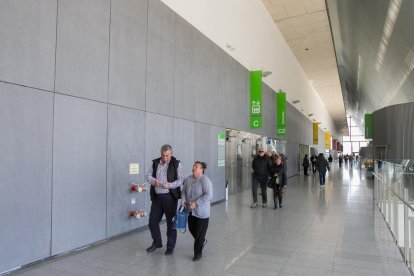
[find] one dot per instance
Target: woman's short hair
(203, 165)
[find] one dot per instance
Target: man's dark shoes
(169, 252)
(152, 248)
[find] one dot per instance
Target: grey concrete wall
(82, 48)
(160, 59)
(26, 127)
(86, 88)
(79, 178)
(28, 42)
(126, 145)
(128, 53)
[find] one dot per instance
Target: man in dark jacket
(166, 177)
(262, 169)
(322, 165)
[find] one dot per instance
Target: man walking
(262, 168)
(166, 177)
(322, 165)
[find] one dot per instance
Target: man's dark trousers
(262, 181)
(163, 203)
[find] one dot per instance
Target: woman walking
(278, 178)
(196, 195)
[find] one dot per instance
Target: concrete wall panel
(231, 94)
(183, 60)
(183, 144)
(26, 122)
(126, 141)
(28, 39)
(82, 48)
(202, 76)
(219, 76)
(79, 173)
(160, 59)
(128, 53)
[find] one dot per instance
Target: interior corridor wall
(87, 88)
(392, 127)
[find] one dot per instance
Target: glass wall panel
(347, 148)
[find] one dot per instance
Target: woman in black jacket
(278, 185)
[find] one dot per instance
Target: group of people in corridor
(168, 185)
(269, 170)
(320, 164)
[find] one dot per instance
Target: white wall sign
(134, 168)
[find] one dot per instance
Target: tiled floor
(335, 231)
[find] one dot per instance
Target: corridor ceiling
(374, 41)
(305, 27)
(374, 51)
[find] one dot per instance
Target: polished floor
(333, 231)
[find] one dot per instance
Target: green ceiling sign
(256, 99)
(281, 113)
(368, 126)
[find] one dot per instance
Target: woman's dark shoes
(197, 258)
(152, 248)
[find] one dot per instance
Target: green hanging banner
(256, 99)
(368, 126)
(281, 113)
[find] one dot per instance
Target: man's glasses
(261, 151)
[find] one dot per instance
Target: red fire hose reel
(138, 188)
(137, 214)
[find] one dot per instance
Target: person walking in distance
(166, 177)
(196, 194)
(262, 168)
(313, 162)
(322, 166)
(305, 164)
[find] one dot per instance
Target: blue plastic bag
(180, 219)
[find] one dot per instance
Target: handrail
(399, 197)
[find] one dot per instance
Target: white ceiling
(305, 27)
